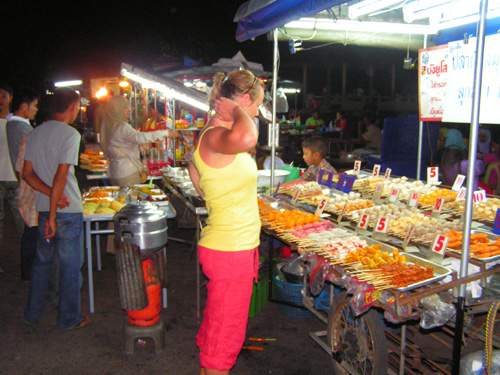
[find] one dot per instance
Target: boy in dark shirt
(314, 152)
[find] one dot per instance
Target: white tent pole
(473, 134)
(474, 130)
(273, 125)
(420, 135)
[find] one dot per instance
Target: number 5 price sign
(432, 175)
(439, 245)
(321, 207)
(364, 219)
(382, 225)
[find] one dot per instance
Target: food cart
(256, 18)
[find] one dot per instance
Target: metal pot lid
(141, 212)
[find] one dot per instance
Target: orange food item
(285, 219)
(480, 244)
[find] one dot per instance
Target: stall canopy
(257, 17)
(383, 23)
(224, 64)
(168, 87)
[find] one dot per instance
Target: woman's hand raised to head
(224, 109)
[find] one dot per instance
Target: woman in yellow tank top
(225, 174)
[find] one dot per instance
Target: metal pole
(474, 129)
(420, 135)
(273, 125)
(402, 353)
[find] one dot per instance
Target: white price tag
(382, 224)
(376, 170)
(379, 189)
(438, 205)
(357, 167)
(387, 173)
(459, 181)
(321, 207)
(439, 245)
(479, 196)
(461, 194)
(413, 199)
(432, 175)
(363, 221)
(394, 195)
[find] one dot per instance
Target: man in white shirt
(8, 180)
(24, 108)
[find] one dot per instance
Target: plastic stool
(156, 333)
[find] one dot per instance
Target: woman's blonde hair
(237, 82)
(112, 116)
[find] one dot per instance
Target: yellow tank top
(231, 198)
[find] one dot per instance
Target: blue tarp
(276, 14)
(257, 17)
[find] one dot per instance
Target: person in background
(484, 142)
(8, 179)
(120, 143)
(24, 108)
(372, 135)
(453, 153)
(224, 173)
(314, 152)
(341, 121)
(315, 121)
(440, 143)
(51, 154)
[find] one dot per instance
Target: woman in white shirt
(120, 142)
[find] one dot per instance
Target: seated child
(314, 152)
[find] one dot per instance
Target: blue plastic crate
(291, 293)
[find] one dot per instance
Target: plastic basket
(291, 293)
(322, 301)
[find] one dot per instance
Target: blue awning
(257, 17)
(445, 36)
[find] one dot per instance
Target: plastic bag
(473, 363)
(435, 312)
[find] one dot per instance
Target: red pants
(223, 329)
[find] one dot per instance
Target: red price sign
(387, 173)
(479, 196)
(394, 195)
(438, 205)
(376, 170)
(461, 194)
(363, 221)
(432, 175)
(459, 181)
(413, 199)
(439, 245)
(382, 224)
(321, 207)
(357, 167)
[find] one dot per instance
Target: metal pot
(142, 224)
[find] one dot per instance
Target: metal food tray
(491, 236)
(112, 188)
(440, 272)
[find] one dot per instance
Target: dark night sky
(93, 37)
(44, 41)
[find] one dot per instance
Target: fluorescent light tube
(360, 26)
(76, 82)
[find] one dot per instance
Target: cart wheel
(130, 277)
(359, 343)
